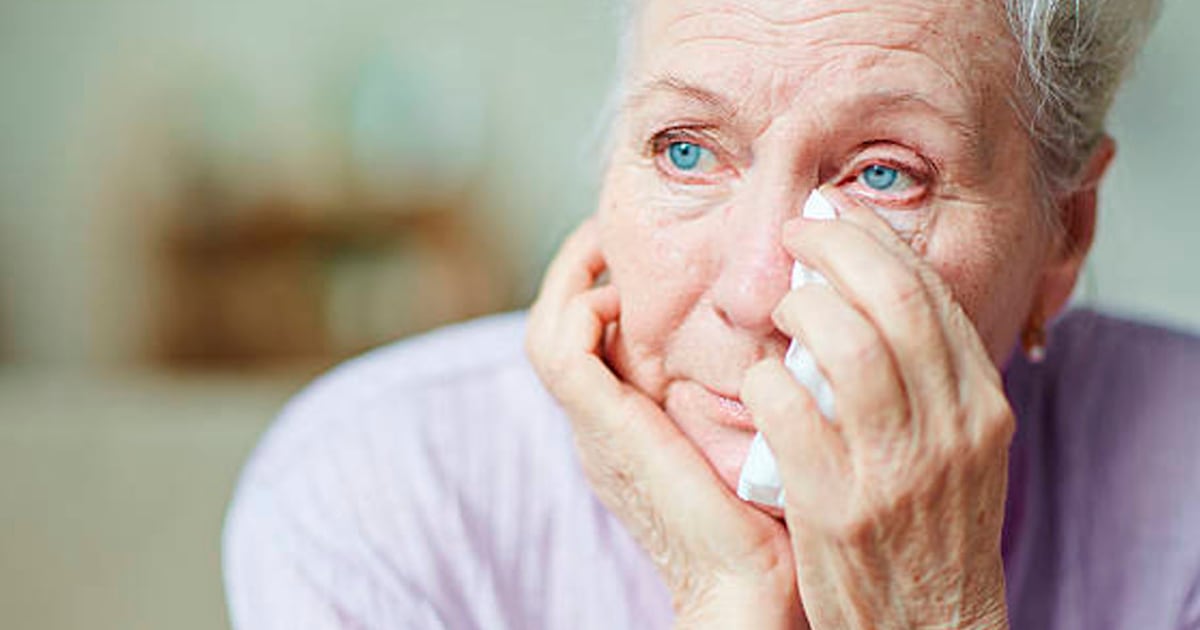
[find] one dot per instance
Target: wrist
(989, 610)
(742, 604)
(993, 617)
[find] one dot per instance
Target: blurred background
(205, 204)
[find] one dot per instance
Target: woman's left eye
(884, 178)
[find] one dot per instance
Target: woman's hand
(895, 508)
(725, 563)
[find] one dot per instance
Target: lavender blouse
(432, 484)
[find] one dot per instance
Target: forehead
(766, 55)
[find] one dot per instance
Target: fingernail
(838, 199)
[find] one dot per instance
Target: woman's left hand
(894, 509)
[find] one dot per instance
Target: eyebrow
(882, 100)
(673, 85)
(879, 100)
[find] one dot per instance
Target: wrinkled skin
(894, 511)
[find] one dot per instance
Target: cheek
(991, 269)
(658, 264)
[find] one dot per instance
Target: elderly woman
(982, 469)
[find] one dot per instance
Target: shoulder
(423, 385)
(1127, 368)
(423, 409)
(1124, 334)
(399, 470)
(1123, 400)
(1108, 424)
(1102, 366)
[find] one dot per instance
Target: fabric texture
(433, 484)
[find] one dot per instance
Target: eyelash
(922, 176)
(657, 145)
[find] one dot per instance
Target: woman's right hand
(727, 564)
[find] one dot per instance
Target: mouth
(718, 424)
(731, 412)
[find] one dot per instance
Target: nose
(755, 268)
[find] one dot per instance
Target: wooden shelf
(283, 284)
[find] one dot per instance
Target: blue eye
(879, 177)
(685, 155)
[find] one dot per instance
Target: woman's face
(736, 110)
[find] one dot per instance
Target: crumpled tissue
(759, 481)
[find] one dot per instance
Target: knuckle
(582, 306)
(861, 351)
(954, 451)
(856, 528)
(990, 418)
(999, 425)
(795, 403)
(905, 293)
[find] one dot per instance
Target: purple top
(433, 484)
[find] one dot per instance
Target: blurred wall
(1147, 253)
(85, 151)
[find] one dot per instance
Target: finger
(585, 382)
(639, 462)
(579, 370)
(891, 295)
(948, 309)
(572, 271)
(870, 398)
(623, 434)
(812, 458)
(853, 212)
(586, 316)
(575, 267)
(976, 374)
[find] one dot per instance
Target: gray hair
(1074, 53)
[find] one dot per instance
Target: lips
(718, 424)
(731, 412)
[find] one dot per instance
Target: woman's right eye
(686, 159)
(686, 156)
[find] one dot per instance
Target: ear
(1077, 217)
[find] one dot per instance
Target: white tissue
(759, 481)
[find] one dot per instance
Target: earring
(1033, 340)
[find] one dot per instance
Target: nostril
(753, 270)
(747, 299)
